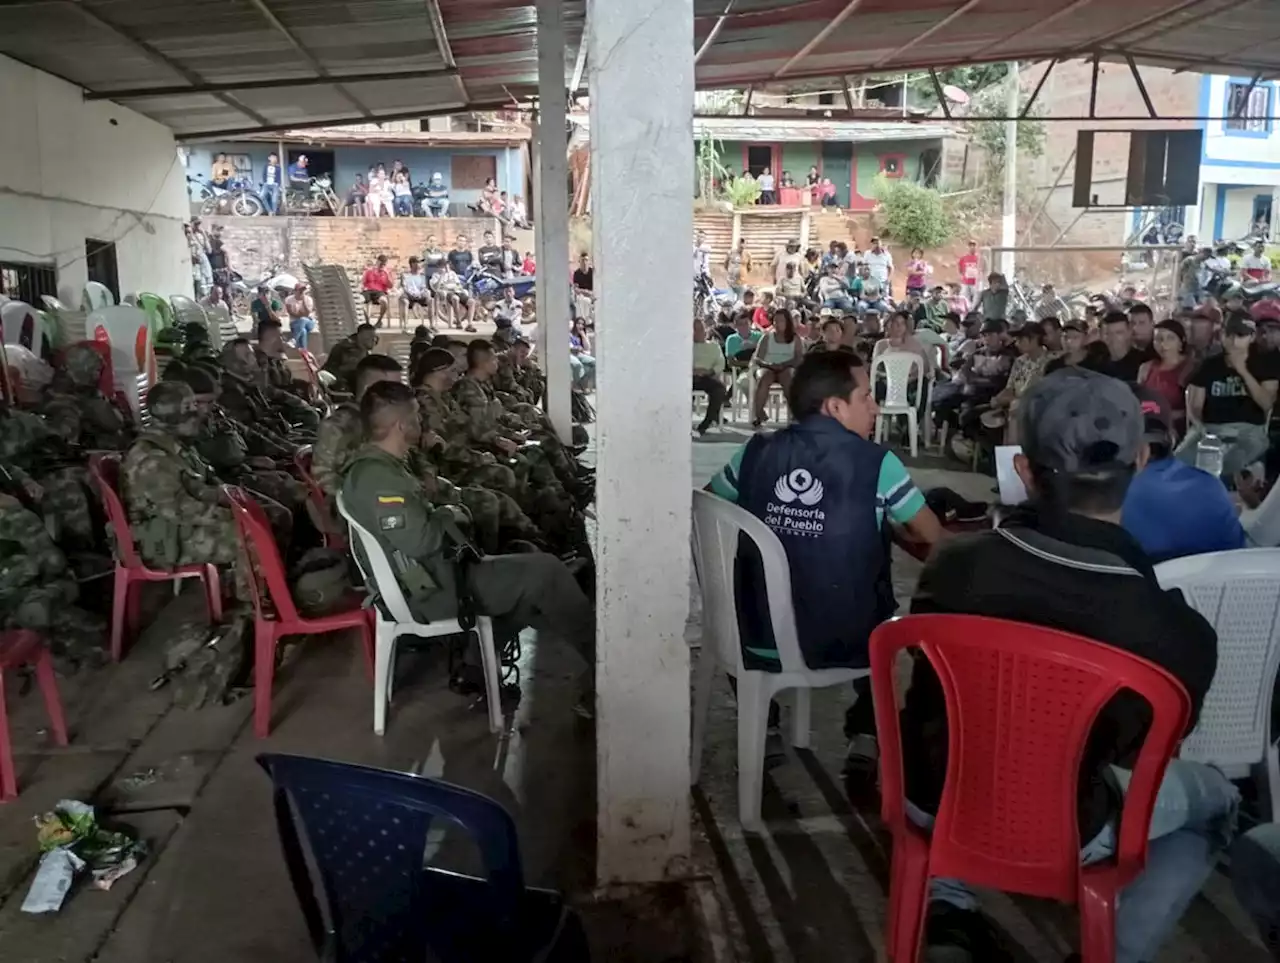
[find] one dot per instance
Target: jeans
(879, 304)
(1255, 877)
(301, 328)
(1194, 819)
(403, 205)
(840, 303)
(716, 394)
(436, 208)
(1245, 443)
(583, 367)
(271, 198)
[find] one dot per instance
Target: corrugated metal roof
(122, 45)
(788, 131)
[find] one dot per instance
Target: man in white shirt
(701, 256)
(880, 262)
(414, 294)
(792, 257)
(1256, 267)
(301, 323)
(508, 312)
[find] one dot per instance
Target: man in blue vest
(827, 492)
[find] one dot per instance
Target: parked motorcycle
(316, 199)
(430, 202)
(708, 301)
(239, 197)
(484, 283)
(243, 292)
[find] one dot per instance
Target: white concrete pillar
(552, 221)
(641, 90)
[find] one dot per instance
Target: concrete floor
(809, 889)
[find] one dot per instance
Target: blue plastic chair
(374, 901)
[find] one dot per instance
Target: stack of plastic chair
(1028, 697)
(353, 840)
(188, 311)
(275, 615)
(719, 527)
(22, 324)
(131, 570)
(1239, 594)
(335, 303)
(897, 367)
(133, 357)
(21, 649)
(96, 296)
(159, 314)
(394, 619)
(66, 326)
(222, 329)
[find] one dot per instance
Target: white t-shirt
(766, 182)
(1258, 268)
(701, 261)
(880, 264)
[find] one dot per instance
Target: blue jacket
(1173, 509)
(814, 484)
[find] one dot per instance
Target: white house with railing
(1240, 163)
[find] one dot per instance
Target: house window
(826, 100)
(1248, 107)
(892, 165)
(27, 282)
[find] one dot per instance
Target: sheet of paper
(1012, 491)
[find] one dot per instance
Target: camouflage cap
(164, 401)
(194, 332)
(83, 365)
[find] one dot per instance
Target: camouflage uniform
(227, 449)
(281, 390)
(341, 436)
(30, 451)
(75, 407)
(38, 591)
(458, 457)
(267, 431)
(342, 361)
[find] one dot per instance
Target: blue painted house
(463, 158)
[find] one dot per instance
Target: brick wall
(1066, 93)
(256, 244)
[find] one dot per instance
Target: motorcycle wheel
(209, 206)
(247, 205)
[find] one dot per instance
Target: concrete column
(552, 221)
(641, 90)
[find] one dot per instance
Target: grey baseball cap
(1076, 420)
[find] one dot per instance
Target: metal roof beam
(436, 19)
(1040, 24)
(820, 36)
(157, 57)
(270, 16)
(942, 24)
(437, 110)
(142, 93)
(1138, 24)
(715, 31)
(580, 61)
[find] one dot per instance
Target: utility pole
(1009, 223)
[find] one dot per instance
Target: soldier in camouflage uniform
(38, 591)
(491, 514)
(75, 406)
(234, 453)
(492, 424)
(346, 354)
(39, 460)
(449, 440)
(247, 403)
(176, 510)
(283, 390)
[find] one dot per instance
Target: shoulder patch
(390, 499)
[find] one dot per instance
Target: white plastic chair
(67, 326)
(133, 359)
(17, 318)
(897, 366)
(776, 404)
(1239, 593)
(717, 525)
(402, 622)
(97, 296)
(1262, 524)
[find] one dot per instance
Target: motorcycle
(239, 197)
(316, 198)
(710, 302)
(429, 204)
(1223, 286)
(484, 283)
(243, 292)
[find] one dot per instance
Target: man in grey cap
(1063, 561)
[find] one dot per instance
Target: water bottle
(1209, 455)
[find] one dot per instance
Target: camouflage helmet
(165, 400)
(194, 332)
(83, 365)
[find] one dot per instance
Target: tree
(912, 213)
(968, 79)
(989, 134)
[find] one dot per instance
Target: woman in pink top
(1167, 375)
(917, 272)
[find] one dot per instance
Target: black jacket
(1075, 574)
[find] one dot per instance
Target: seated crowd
(1112, 413)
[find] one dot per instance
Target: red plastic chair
(274, 613)
(333, 537)
(1020, 703)
(20, 647)
(131, 571)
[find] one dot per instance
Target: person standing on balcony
(272, 179)
(767, 195)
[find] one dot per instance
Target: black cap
(435, 359)
(1238, 327)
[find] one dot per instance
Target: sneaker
(954, 935)
(775, 749)
(862, 772)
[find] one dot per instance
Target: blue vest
(815, 485)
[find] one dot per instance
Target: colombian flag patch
(390, 499)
